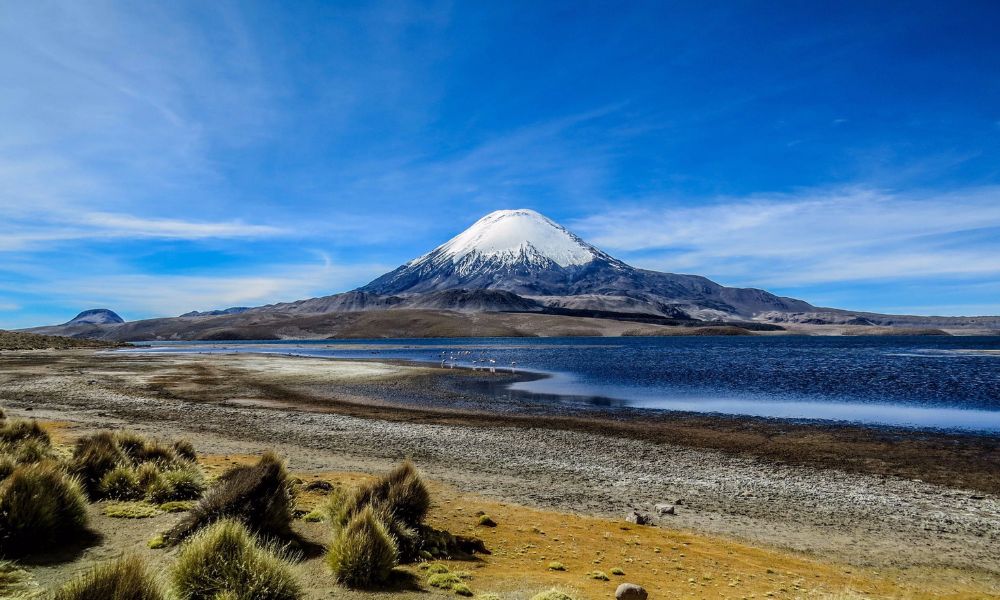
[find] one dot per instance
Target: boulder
(637, 518)
(664, 509)
(630, 591)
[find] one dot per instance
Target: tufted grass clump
(161, 472)
(437, 568)
(258, 496)
(184, 450)
(556, 566)
(40, 506)
(120, 483)
(184, 483)
(617, 571)
(225, 560)
(15, 431)
(363, 553)
(461, 589)
(401, 492)
(552, 594)
(123, 579)
(599, 575)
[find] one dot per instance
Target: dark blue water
(926, 382)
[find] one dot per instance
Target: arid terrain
(761, 508)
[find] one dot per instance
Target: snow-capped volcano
(511, 236)
(526, 253)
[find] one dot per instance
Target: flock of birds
(451, 359)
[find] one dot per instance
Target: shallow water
(915, 381)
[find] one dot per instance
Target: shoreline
(907, 502)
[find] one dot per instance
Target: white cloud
(811, 237)
(139, 295)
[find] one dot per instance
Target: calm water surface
(925, 382)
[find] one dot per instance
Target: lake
(914, 381)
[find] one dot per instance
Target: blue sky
(157, 158)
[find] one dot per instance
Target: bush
(124, 579)
(19, 430)
(225, 561)
(95, 456)
(39, 506)
(120, 483)
(363, 552)
(258, 496)
(401, 491)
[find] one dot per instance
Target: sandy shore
(348, 416)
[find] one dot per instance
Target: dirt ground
(752, 524)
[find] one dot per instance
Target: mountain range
(513, 272)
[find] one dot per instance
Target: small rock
(637, 518)
(665, 509)
(630, 591)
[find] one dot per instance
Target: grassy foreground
(530, 551)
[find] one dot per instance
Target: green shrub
(552, 594)
(120, 483)
(123, 579)
(259, 496)
(401, 491)
(19, 430)
(363, 552)
(226, 561)
(40, 506)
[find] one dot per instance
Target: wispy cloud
(65, 226)
(141, 295)
(812, 237)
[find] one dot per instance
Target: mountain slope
(523, 252)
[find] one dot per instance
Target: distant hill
(96, 316)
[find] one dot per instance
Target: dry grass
(123, 579)
(363, 553)
(39, 506)
(259, 496)
(225, 560)
(401, 492)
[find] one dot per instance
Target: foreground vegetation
(236, 540)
